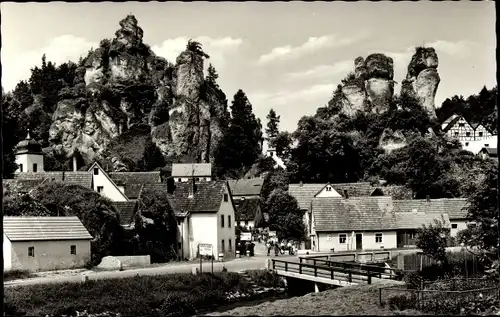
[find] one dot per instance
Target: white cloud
(322, 71)
(311, 45)
(460, 49)
(217, 48)
(59, 50)
(285, 97)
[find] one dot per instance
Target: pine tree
(241, 145)
(272, 125)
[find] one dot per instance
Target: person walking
(268, 246)
(276, 249)
(289, 247)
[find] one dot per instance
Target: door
(359, 241)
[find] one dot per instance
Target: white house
(29, 156)
(363, 223)
(45, 243)
(304, 194)
(476, 146)
(455, 208)
(184, 172)
(205, 213)
(104, 185)
(271, 152)
(457, 127)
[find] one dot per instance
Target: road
(236, 265)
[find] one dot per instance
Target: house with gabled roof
(104, 185)
(45, 243)
(246, 187)
(305, 192)
(459, 128)
(130, 183)
(248, 213)
(205, 213)
(184, 172)
(488, 152)
(363, 223)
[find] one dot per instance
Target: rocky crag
(123, 87)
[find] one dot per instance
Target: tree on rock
(241, 145)
(195, 47)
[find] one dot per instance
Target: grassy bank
(173, 294)
(16, 274)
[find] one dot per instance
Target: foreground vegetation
(175, 294)
(16, 275)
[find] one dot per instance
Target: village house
(476, 146)
(184, 172)
(205, 215)
(304, 194)
(455, 208)
(247, 200)
(45, 243)
(457, 127)
(487, 152)
(363, 223)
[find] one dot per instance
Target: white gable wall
(203, 230)
(7, 253)
(328, 240)
(328, 191)
(109, 190)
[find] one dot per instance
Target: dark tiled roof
(305, 193)
(455, 208)
(490, 150)
(354, 214)
(246, 187)
(133, 181)
(207, 198)
(397, 192)
(44, 228)
(192, 169)
(246, 209)
(73, 178)
(126, 209)
(415, 220)
(452, 123)
(20, 185)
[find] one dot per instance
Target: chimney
(300, 184)
(346, 194)
(428, 198)
(170, 185)
(75, 167)
(192, 188)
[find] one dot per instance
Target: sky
(288, 56)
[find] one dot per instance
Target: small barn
(45, 243)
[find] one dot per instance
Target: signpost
(246, 236)
(206, 249)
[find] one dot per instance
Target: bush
(401, 302)
(413, 280)
(177, 304)
(266, 278)
(16, 274)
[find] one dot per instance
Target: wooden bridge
(332, 272)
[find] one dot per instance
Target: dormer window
(328, 189)
(96, 171)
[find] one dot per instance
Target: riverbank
(175, 294)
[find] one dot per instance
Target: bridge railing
(375, 271)
(353, 256)
(331, 272)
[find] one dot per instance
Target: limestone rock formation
(372, 85)
(392, 140)
(123, 84)
(423, 79)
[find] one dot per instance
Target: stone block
(110, 263)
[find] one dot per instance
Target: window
(378, 238)
(246, 222)
(486, 145)
(20, 167)
(223, 245)
(197, 179)
(480, 133)
(466, 143)
(271, 154)
(412, 235)
(230, 246)
(73, 249)
(35, 167)
(226, 197)
(229, 222)
(342, 238)
(96, 171)
(100, 189)
(222, 221)
(456, 133)
(461, 124)
(328, 189)
(31, 251)
(179, 180)
(467, 133)
(454, 226)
